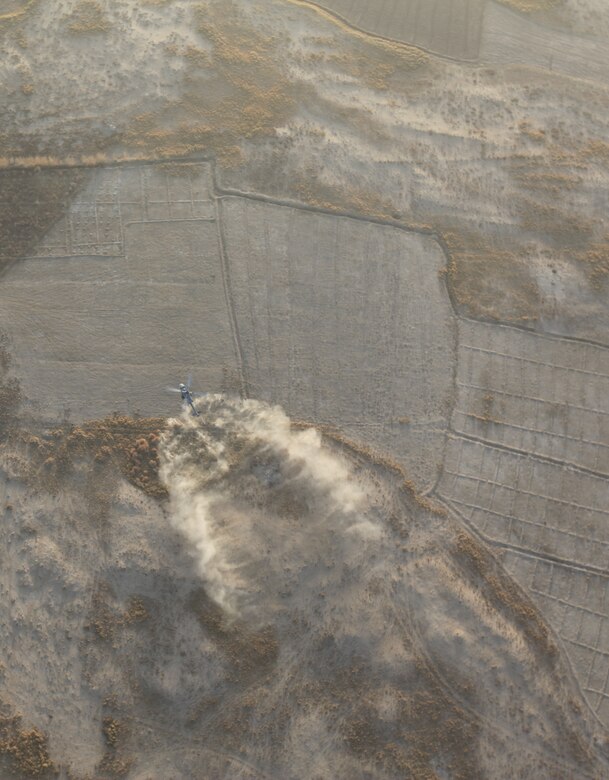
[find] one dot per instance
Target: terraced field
(527, 467)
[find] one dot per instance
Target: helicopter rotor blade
(172, 389)
(189, 381)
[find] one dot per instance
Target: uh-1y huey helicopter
(187, 394)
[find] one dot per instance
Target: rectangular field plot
(534, 505)
(447, 27)
(541, 395)
(117, 195)
(512, 38)
(576, 605)
(344, 322)
(144, 306)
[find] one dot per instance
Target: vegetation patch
(106, 620)
(238, 91)
(114, 766)
(249, 653)
(89, 17)
(312, 190)
(120, 444)
(26, 749)
(489, 282)
(112, 729)
(14, 10)
(10, 392)
(500, 592)
(595, 260)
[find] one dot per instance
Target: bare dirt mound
(291, 610)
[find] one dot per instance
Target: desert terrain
(375, 236)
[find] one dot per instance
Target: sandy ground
(398, 233)
(292, 610)
(504, 157)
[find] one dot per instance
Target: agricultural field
(451, 29)
(345, 323)
(124, 292)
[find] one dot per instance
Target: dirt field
(446, 28)
(288, 595)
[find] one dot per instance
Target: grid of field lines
(527, 465)
(449, 28)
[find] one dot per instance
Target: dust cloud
(243, 484)
(340, 612)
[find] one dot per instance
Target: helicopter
(187, 394)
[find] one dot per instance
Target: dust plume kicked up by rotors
(243, 484)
